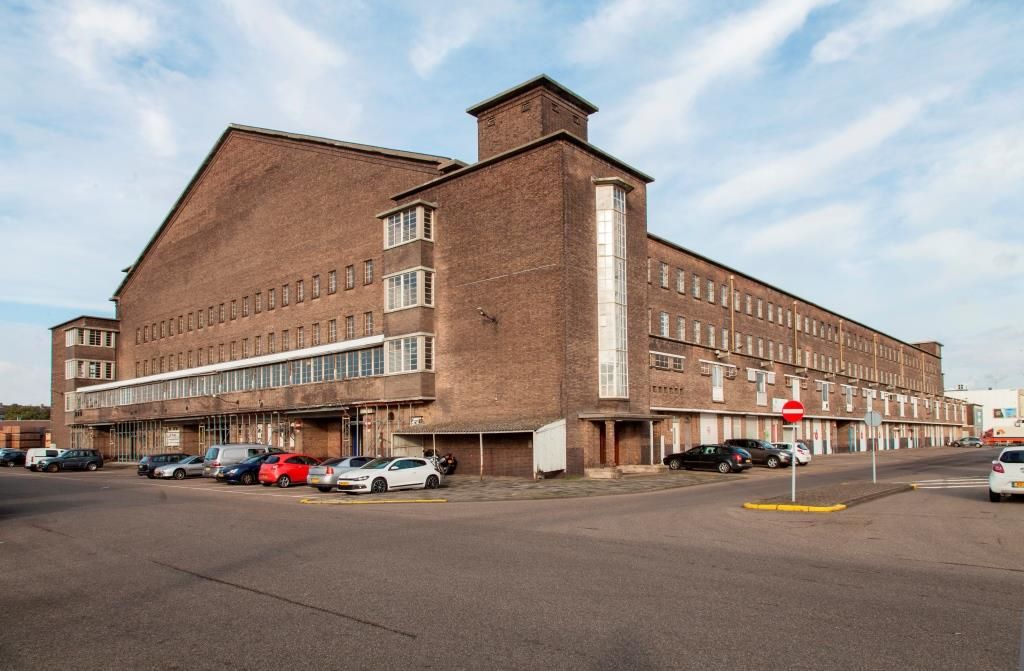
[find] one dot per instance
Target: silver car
(189, 467)
(325, 475)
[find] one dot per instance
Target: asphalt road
(109, 571)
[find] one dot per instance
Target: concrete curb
(335, 502)
(794, 508)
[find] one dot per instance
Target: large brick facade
(339, 298)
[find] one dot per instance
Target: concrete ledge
(794, 508)
(643, 469)
(602, 473)
(831, 498)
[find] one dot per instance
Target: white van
(220, 457)
(36, 454)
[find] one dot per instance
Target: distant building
(25, 434)
(339, 298)
(1001, 411)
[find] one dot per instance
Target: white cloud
(963, 186)
(443, 33)
(92, 32)
(780, 178)
(157, 130)
(881, 18)
(961, 257)
(655, 114)
(815, 229)
(602, 36)
(25, 365)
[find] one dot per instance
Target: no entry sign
(793, 411)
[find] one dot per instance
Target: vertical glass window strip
(711, 291)
(428, 288)
(300, 291)
(332, 281)
(428, 224)
(316, 286)
(350, 277)
(285, 294)
(368, 323)
(611, 291)
(663, 324)
(332, 330)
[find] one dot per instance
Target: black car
(151, 462)
(72, 460)
(11, 458)
(762, 452)
(723, 458)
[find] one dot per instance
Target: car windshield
(212, 453)
(1013, 457)
(379, 463)
(333, 462)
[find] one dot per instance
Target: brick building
(514, 311)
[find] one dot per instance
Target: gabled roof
(427, 159)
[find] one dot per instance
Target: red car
(286, 468)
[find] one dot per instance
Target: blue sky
(867, 156)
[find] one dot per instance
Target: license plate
(1018, 484)
(746, 461)
(314, 480)
(342, 484)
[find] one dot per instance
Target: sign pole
(873, 419)
(792, 413)
(792, 467)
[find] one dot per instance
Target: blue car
(246, 472)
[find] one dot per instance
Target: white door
(708, 429)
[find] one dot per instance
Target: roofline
(74, 319)
(533, 144)
(541, 79)
(296, 137)
(740, 273)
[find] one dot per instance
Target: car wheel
(379, 486)
(993, 497)
(179, 474)
(247, 479)
(724, 467)
(675, 464)
(10, 464)
(91, 466)
(284, 481)
(772, 461)
(325, 490)
(52, 468)
(432, 482)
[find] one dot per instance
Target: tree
(15, 411)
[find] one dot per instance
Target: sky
(866, 156)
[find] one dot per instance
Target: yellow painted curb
(788, 507)
(336, 502)
(913, 485)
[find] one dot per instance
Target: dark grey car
(762, 452)
(324, 476)
(72, 460)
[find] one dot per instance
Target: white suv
(1007, 474)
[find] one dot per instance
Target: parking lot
(135, 573)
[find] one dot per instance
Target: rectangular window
(663, 275)
(738, 338)
(401, 228)
(286, 340)
(750, 303)
(245, 348)
(403, 290)
(138, 337)
(717, 384)
(663, 327)
(221, 312)
(750, 344)
(711, 291)
(368, 271)
(332, 282)
(350, 327)
(350, 277)
(163, 331)
(613, 371)
(681, 281)
(271, 299)
(258, 302)
(332, 330)
(711, 335)
(285, 295)
(300, 337)
(271, 345)
(760, 309)
(245, 306)
(736, 301)
(367, 323)
(316, 286)
(725, 296)
(403, 354)
(771, 312)
(257, 346)
(680, 328)
(428, 224)
(300, 291)
(696, 285)
(220, 354)
(234, 309)
(315, 334)
(696, 331)
(231, 349)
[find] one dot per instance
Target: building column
(609, 442)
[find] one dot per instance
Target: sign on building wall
(172, 438)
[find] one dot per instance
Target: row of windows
(325, 368)
(239, 349)
(90, 370)
(708, 334)
(776, 314)
(90, 337)
(254, 304)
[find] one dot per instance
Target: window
(200, 317)
(332, 282)
(663, 275)
(824, 395)
(300, 337)
(760, 309)
(245, 306)
(725, 296)
(221, 312)
(163, 331)
(257, 347)
(271, 345)
(736, 301)
(401, 227)
(258, 302)
(749, 305)
(711, 335)
(332, 330)
(368, 271)
(315, 334)
(350, 327)
(711, 291)
(663, 328)
(403, 290)
(220, 355)
(680, 328)
(285, 295)
(717, 384)
(760, 385)
(696, 286)
(316, 287)
(771, 312)
(234, 309)
(138, 336)
(145, 333)
(367, 323)
(271, 299)
(760, 347)
(681, 281)
(404, 354)
(613, 364)
(750, 344)
(286, 340)
(300, 291)
(738, 338)
(350, 277)
(231, 349)
(696, 331)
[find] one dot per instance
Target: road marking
(227, 491)
(342, 502)
(952, 483)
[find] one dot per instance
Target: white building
(1002, 409)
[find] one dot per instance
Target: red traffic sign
(793, 411)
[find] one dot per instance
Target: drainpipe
(729, 347)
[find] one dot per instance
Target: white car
(1007, 474)
(803, 455)
(386, 473)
